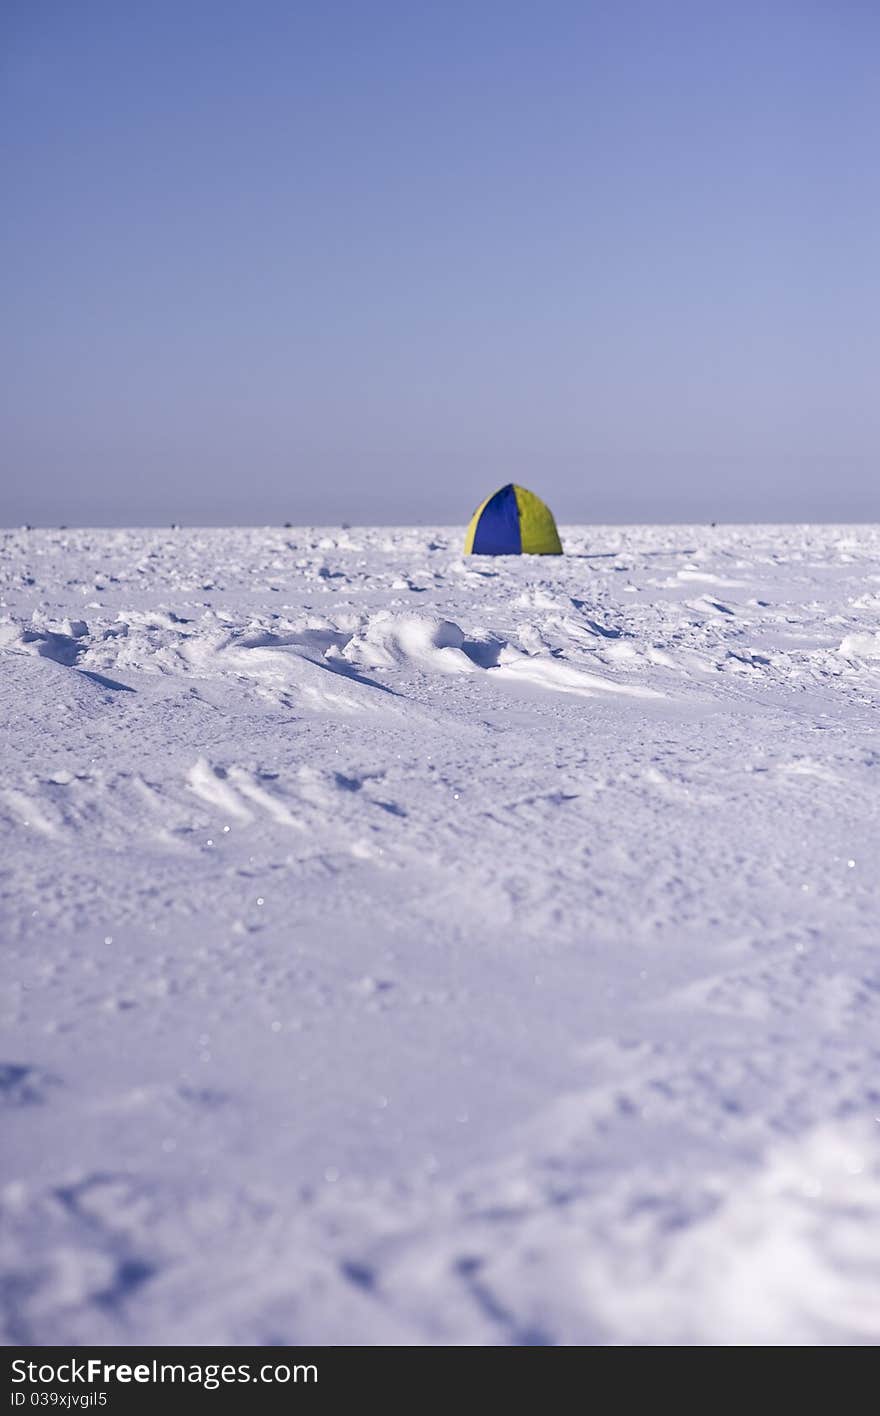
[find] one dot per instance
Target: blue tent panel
(498, 532)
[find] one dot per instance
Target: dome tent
(512, 522)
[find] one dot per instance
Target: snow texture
(404, 948)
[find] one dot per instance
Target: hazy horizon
(367, 263)
(396, 525)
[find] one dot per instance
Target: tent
(512, 522)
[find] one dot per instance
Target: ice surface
(407, 948)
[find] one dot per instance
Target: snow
(417, 949)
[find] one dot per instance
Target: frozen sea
(401, 948)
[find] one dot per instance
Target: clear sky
(366, 260)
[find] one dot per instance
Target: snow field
(407, 948)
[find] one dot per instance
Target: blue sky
(366, 261)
